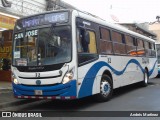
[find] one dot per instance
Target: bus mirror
(87, 37)
(79, 24)
(59, 41)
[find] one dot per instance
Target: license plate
(38, 92)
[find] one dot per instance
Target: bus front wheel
(106, 89)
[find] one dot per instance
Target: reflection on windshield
(45, 46)
(54, 45)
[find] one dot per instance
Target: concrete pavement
(7, 98)
(5, 86)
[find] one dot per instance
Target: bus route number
(37, 74)
(109, 60)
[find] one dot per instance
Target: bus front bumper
(59, 91)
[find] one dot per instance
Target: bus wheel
(106, 89)
(144, 83)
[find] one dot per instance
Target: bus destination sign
(60, 17)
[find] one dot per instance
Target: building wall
(132, 27)
(141, 29)
(156, 29)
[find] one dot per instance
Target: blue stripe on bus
(151, 71)
(68, 89)
(87, 84)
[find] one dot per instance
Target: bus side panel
(85, 80)
(152, 67)
(92, 72)
(131, 70)
(123, 73)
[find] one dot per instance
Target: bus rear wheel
(106, 89)
(144, 83)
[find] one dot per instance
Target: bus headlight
(68, 77)
(14, 79)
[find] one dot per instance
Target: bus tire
(106, 89)
(144, 83)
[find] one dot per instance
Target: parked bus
(158, 56)
(69, 54)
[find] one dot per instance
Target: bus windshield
(44, 46)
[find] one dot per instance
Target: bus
(69, 54)
(158, 57)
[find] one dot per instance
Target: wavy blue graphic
(151, 71)
(87, 84)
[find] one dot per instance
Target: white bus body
(92, 68)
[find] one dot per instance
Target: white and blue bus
(69, 54)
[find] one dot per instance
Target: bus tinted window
(140, 44)
(116, 37)
(153, 50)
(146, 45)
(150, 50)
(105, 34)
(140, 48)
(130, 45)
(105, 41)
(118, 43)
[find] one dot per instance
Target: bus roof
(112, 25)
(98, 20)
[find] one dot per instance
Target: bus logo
(38, 82)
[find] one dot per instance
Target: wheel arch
(100, 97)
(107, 72)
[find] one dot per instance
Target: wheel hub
(105, 88)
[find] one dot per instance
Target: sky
(124, 11)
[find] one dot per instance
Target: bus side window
(82, 44)
(87, 49)
(92, 44)
(150, 50)
(140, 48)
(130, 45)
(118, 43)
(105, 41)
(79, 41)
(147, 48)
